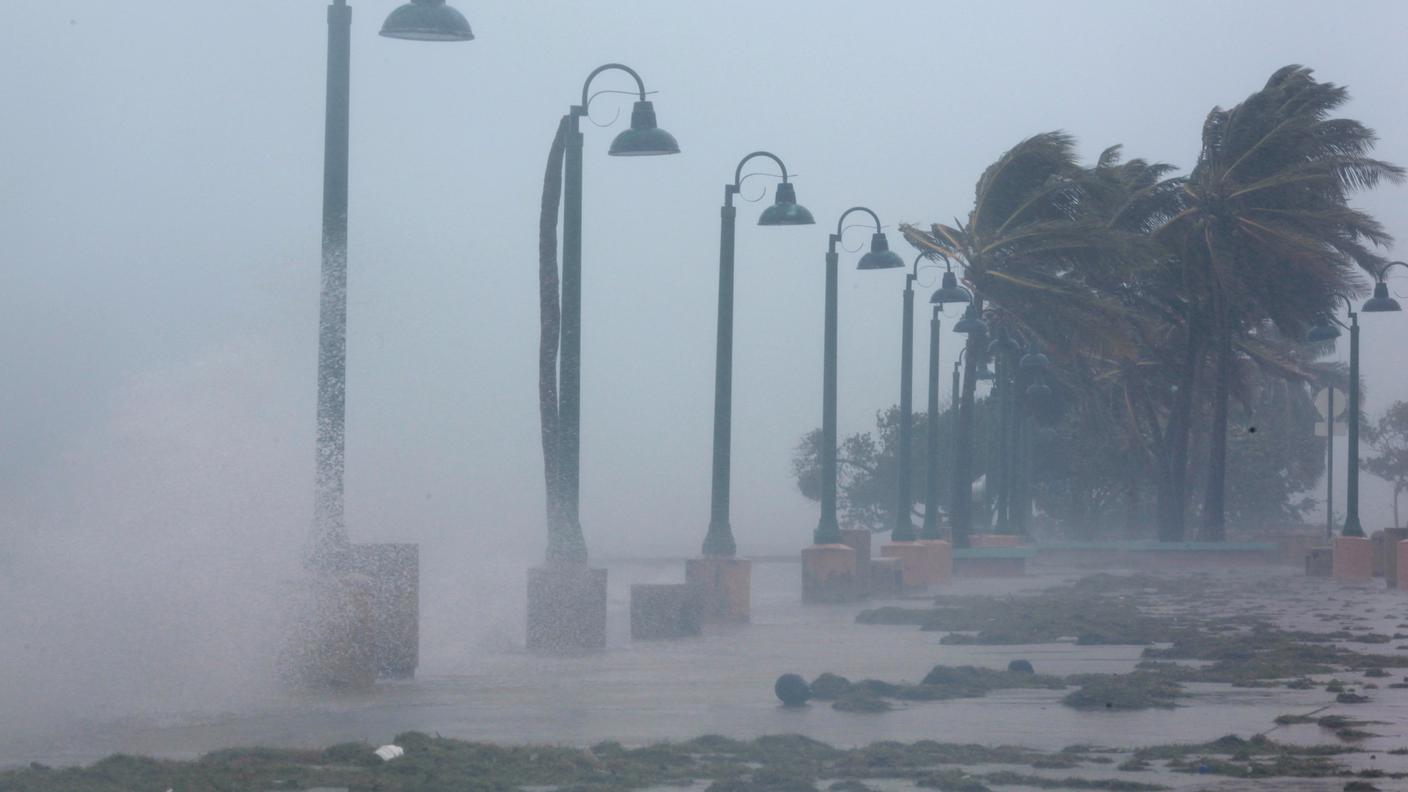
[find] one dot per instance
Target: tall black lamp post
(644, 138)
(785, 211)
(422, 20)
(828, 530)
(1381, 302)
(961, 505)
(948, 292)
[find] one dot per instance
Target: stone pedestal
(394, 572)
(1401, 574)
(566, 608)
(943, 560)
(330, 642)
(885, 578)
(917, 563)
(725, 587)
(1353, 559)
(1377, 553)
(859, 540)
(829, 573)
(1392, 536)
(1319, 562)
(665, 610)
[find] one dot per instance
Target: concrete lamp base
(723, 585)
(942, 560)
(1391, 538)
(566, 608)
(1319, 562)
(829, 573)
(1353, 559)
(394, 572)
(886, 578)
(665, 610)
(859, 540)
(1401, 572)
(917, 563)
(331, 643)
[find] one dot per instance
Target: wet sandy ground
(638, 692)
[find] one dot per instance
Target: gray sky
(159, 217)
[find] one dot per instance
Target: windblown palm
(1268, 233)
(1035, 256)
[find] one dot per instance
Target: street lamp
(961, 508)
(1003, 350)
(1326, 332)
(785, 211)
(828, 530)
(644, 138)
(425, 20)
(948, 292)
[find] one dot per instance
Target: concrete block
(1319, 562)
(859, 539)
(829, 573)
(1353, 558)
(916, 563)
(1392, 536)
(1379, 551)
(885, 578)
(566, 608)
(1401, 577)
(943, 560)
(666, 610)
(330, 640)
(394, 572)
(725, 587)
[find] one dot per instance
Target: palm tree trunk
(549, 328)
(1173, 476)
(1214, 527)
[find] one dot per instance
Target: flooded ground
(642, 692)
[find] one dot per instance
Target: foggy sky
(161, 197)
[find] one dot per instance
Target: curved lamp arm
(738, 172)
(1383, 273)
(841, 224)
(586, 86)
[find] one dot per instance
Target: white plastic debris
(389, 752)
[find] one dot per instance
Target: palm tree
(1034, 256)
(1268, 234)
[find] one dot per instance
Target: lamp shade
(1002, 344)
(785, 210)
(427, 20)
(971, 322)
(1034, 360)
(1321, 333)
(1381, 302)
(950, 292)
(644, 138)
(1039, 391)
(880, 255)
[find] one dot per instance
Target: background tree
(1268, 234)
(1389, 437)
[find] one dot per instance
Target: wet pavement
(721, 683)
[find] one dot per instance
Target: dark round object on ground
(792, 689)
(1021, 667)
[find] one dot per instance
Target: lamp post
(1381, 302)
(644, 138)
(785, 211)
(948, 292)
(961, 509)
(1003, 350)
(422, 20)
(1034, 364)
(828, 530)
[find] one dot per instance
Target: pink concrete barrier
(916, 562)
(829, 573)
(942, 559)
(1353, 558)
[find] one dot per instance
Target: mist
(159, 254)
